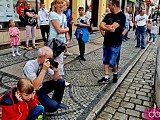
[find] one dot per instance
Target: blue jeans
(110, 55)
(33, 114)
(152, 36)
(51, 104)
(141, 34)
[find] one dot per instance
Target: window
(13, 9)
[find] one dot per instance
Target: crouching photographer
(36, 70)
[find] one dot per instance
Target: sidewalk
(84, 93)
(136, 93)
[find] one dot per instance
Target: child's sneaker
(18, 54)
(153, 43)
(40, 117)
(13, 55)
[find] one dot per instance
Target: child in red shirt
(21, 103)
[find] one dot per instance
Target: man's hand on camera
(46, 64)
(54, 68)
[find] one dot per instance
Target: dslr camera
(53, 62)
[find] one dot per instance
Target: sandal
(34, 47)
(27, 48)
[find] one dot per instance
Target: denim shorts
(110, 54)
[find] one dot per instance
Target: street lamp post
(157, 16)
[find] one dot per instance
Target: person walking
(154, 32)
(14, 35)
(141, 22)
(31, 22)
(113, 25)
(43, 22)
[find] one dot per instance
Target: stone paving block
(139, 76)
(147, 87)
(122, 109)
(148, 104)
(138, 79)
(134, 118)
(136, 85)
(131, 95)
(141, 93)
(126, 98)
(129, 79)
(122, 90)
(135, 100)
(105, 116)
(146, 77)
(110, 110)
(116, 99)
(127, 105)
(140, 108)
(143, 97)
(131, 91)
(133, 112)
(118, 94)
(120, 116)
(149, 95)
(145, 90)
(113, 104)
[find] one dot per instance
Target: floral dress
(14, 34)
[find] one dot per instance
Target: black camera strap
(39, 69)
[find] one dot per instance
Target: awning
(132, 1)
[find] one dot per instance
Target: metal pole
(157, 11)
(139, 5)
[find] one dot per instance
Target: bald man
(36, 70)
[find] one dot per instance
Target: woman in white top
(58, 28)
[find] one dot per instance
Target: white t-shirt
(141, 20)
(154, 29)
(82, 19)
(53, 32)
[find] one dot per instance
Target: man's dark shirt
(29, 20)
(114, 38)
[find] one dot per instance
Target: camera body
(53, 62)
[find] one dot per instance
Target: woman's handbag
(57, 46)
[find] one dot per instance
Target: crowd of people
(31, 91)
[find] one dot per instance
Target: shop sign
(7, 11)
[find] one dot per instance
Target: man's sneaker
(82, 58)
(67, 84)
(103, 80)
(78, 57)
(68, 53)
(115, 79)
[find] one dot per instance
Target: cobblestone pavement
(84, 92)
(135, 94)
